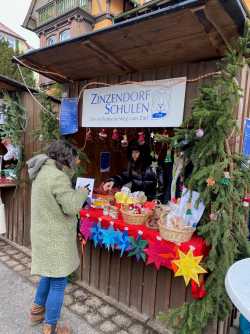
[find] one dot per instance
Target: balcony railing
(57, 8)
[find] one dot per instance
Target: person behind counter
(54, 206)
(140, 173)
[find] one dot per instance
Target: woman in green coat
(54, 206)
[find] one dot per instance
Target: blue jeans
(50, 294)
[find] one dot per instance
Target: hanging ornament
(115, 135)
(89, 136)
(227, 175)
(124, 141)
(168, 157)
(246, 204)
(123, 242)
(189, 267)
(213, 216)
(103, 134)
(97, 234)
(109, 238)
(138, 246)
(152, 135)
(141, 138)
(160, 254)
(199, 133)
(225, 181)
(165, 133)
(40, 138)
(85, 228)
(210, 182)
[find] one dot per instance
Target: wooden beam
(105, 55)
(215, 36)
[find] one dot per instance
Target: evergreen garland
(221, 179)
(15, 124)
(49, 124)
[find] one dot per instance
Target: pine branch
(211, 156)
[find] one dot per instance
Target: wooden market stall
(16, 194)
(184, 39)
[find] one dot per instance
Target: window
(12, 42)
(2, 111)
(64, 35)
(51, 40)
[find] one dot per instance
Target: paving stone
(79, 308)
(108, 327)
(70, 288)
(68, 299)
(11, 263)
(2, 254)
(94, 302)
(25, 273)
(34, 279)
(12, 251)
(93, 318)
(28, 265)
(19, 256)
(123, 332)
(107, 311)
(80, 295)
(5, 258)
(25, 260)
(122, 321)
(19, 267)
(137, 329)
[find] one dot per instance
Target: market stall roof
(183, 31)
(11, 85)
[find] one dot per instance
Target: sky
(12, 14)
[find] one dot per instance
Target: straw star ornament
(189, 266)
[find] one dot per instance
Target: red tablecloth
(197, 243)
(170, 249)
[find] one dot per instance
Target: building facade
(59, 20)
(15, 41)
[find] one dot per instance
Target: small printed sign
(105, 162)
(88, 183)
(246, 142)
(69, 116)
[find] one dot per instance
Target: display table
(147, 245)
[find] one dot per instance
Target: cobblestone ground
(101, 316)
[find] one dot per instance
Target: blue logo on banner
(69, 116)
(246, 143)
(160, 104)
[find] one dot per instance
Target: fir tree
(223, 225)
(9, 69)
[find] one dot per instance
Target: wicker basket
(174, 234)
(134, 219)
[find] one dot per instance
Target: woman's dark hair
(144, 159)
(63, 153)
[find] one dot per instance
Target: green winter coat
(54, 206)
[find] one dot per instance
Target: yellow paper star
(188, 266)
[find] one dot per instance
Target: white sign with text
(146, 104)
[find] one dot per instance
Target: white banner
(146, 104)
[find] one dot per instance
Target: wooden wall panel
(17, 200)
